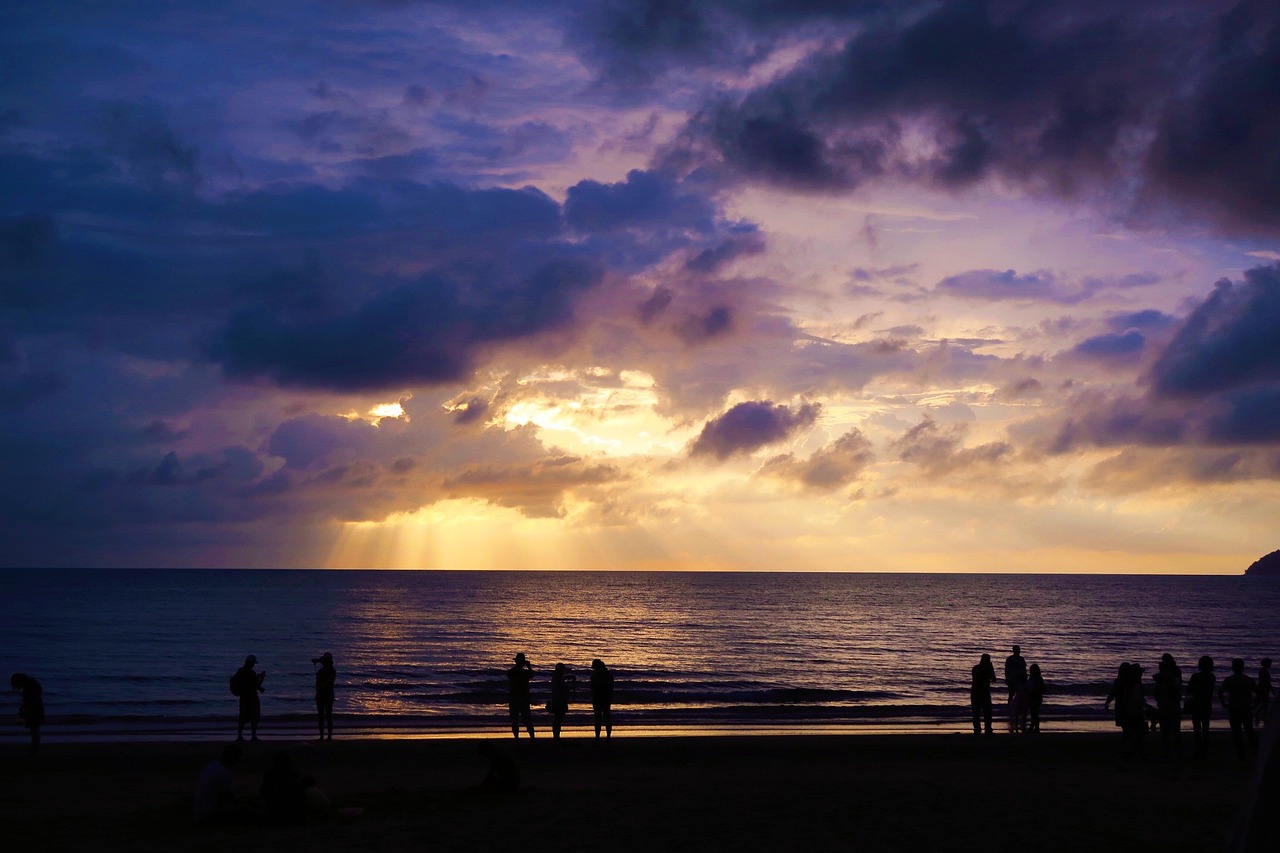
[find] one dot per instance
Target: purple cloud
(749, 426)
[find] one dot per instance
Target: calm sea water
(150, 652)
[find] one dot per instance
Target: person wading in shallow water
(518, 677)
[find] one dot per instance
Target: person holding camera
(247, 684)
(518, 677)
(326, 677)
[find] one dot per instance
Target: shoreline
(1057, 791)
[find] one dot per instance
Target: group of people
(247, 683)
(1026, 693)
(1245, 699)
(286, 796)
(563, 679)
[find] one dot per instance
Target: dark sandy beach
(1054, 792)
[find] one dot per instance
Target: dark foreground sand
(1067, 791)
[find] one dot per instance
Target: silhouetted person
(1236, 695)
(1168, 691)
(1019, 708)
(283, 793)
(326, 678)
(562, 681)
(1200, 704)
(984, 675)
(1131, 707)
(31, 710)
(1015, 671)
(602, 697)
(1262, 707)
(518, 678)
(503, 775)
(247, 684)
(215, 800)
(1035, 697)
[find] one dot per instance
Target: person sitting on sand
(1200, 704)
(215, 800)
(31, 711)
(283, 794)
(518, 678)
(602, 697)
(503, 776)
(1236, 695)
(983, 676)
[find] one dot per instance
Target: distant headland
(1268, 565)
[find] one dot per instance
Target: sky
(640, 284)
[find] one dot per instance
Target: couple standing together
(1026, 693)
(562, 680)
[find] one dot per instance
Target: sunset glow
(942, 287)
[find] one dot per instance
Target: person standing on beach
(983, 675)
(1200, 704)
(1168, 681)
(1236, 695)
(1015, 671)
(518, 678)
(31, 711)
(1035, 697)
(562, 681)
(247, 684)
(1262, 707)
(326, 678)
(602, 697)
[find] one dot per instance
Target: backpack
(235, 684)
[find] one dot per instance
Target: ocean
(148, 653)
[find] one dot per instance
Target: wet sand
(1052, 792)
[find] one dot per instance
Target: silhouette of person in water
(1035, 697)
(503, 775)
(602, 697)
(31, 711)
(518, 678)
(562, 681)
(247, 684)
(1262, 707)
(1200, 704)
(1015, 671)
(983, 676)
(1168, 692)
(1236, 695)
(326, 678)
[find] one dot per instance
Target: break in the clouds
(657, 283)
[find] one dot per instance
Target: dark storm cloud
(1124, 346)
(749, 426)
(645, 200)
(1073, 100)
(1229, 340)
(427, 331)
(311, 440)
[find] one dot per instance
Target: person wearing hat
(519, 677)
(326, 677)
(247, 684)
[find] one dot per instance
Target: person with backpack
(247, 684)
